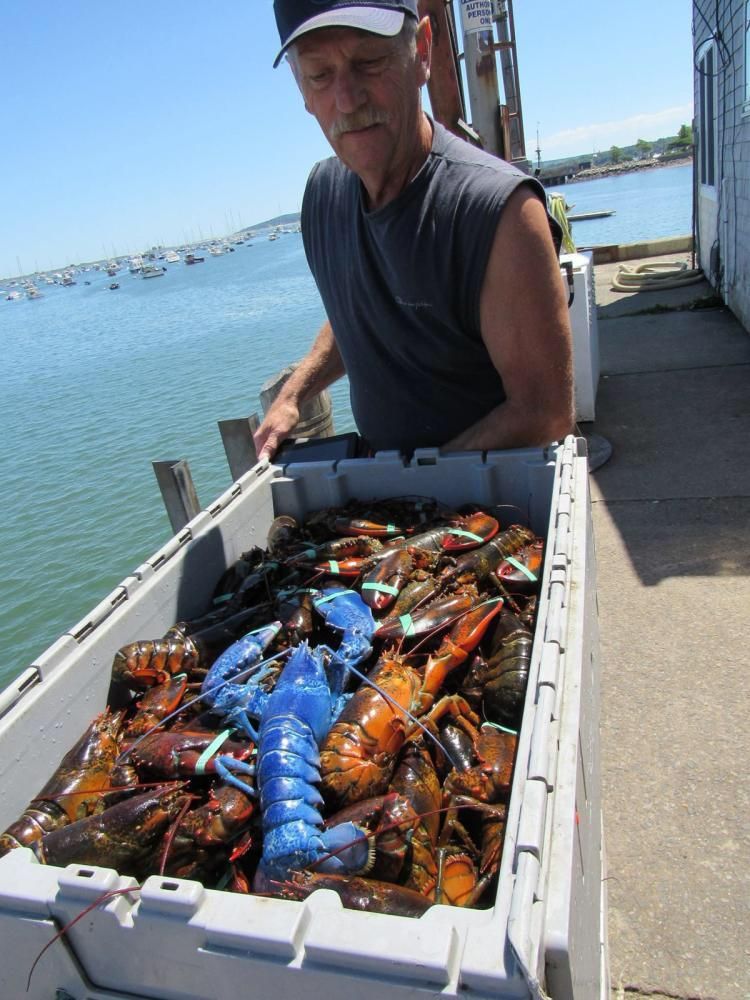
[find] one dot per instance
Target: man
(436, 262)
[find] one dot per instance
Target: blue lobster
(293, 721)
(299, 713)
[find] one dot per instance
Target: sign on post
(477, 15)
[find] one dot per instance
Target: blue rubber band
(382, 588)
(524, 569)
(205, 757)
(223, 598)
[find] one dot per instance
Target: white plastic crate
(585, 328)
(174, 938)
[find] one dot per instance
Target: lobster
(359, 753)
(294, 721)
(210, 835)
(220, 690)
(497, 686)
(124, 836)
(149, 662)
(75, 789)
(484, 787)
(356, 893)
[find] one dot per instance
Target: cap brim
(379, 22)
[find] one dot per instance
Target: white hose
(656, 275)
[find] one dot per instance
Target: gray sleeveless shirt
(401, 288)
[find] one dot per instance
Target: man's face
(363, 89)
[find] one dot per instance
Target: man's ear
(424, 48)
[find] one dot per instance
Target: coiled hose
(654, 276)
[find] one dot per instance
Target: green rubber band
(308, 553)
(382, 588)
(225, 879)
(524, 569)
(391, 527)
(205, 757)
(492, 600)
(503, 729)
(223, 598)
(407, 624)
(332, 597)
(465, 534)
(333, 566)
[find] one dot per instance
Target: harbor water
(647, 205)
(98, 383)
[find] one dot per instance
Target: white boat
(172, 257)
(32, 292)
(149, 271)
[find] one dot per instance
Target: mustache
(364, 118)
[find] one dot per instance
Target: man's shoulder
(459, 153)
(328, 173)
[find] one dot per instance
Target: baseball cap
(296, 17)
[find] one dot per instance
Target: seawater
(648, 204)
(97, 384)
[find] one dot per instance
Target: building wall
(723, 212)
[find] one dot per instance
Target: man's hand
(278, 423)
(321, 366)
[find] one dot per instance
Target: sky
(126, 126)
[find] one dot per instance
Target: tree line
(671, 148)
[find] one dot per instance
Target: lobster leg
(226, 767)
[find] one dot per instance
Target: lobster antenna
(241, 676)
(406, 712)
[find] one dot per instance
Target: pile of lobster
(344, 715)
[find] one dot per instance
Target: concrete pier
(672, 527)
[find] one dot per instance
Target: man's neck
(380, 191)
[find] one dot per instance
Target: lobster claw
(464, 637)
(381, 586)
(470, 532)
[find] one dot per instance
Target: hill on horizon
(279, 220)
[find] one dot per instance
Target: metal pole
(511, 86)
(444, 85)
(481, 75)
(177, 491)
(239, 445)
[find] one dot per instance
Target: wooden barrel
(316, 415)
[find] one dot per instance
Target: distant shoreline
(607, 170)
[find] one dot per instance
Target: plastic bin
(545, 933)
(585, 328)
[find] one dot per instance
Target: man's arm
(317, 370)
(526, 329)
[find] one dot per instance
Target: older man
(436, 262)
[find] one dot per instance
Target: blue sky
(130, 125)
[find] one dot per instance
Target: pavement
(671, 511)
